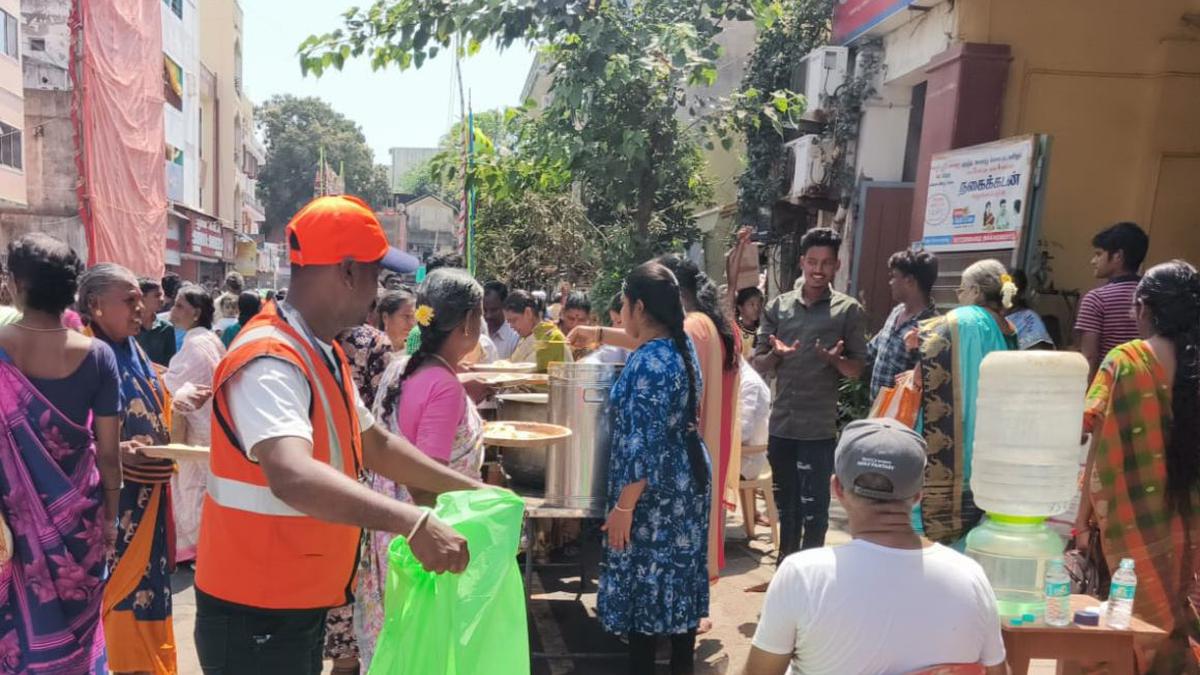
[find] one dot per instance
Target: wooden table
(1084, 645)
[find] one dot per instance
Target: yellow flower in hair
(424, 315)
(1005, 279)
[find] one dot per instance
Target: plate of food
(175, 451)
(503, 366)
(512, 434)
(513, 379)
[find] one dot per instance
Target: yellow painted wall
(1117, 85)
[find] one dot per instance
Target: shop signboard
(207, 239)
(978, 197)
(853, 18)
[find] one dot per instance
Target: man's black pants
(236, 640)
(800, 473)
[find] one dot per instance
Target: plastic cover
(119, 108)
(459, 624)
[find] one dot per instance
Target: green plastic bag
(459, 624)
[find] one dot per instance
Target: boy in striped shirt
(1105, 317)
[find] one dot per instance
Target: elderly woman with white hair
(952, 347)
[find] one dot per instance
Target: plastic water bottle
(1014, 553)
(1058, 594)
(1120, 595)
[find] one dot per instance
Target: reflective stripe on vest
(258, 499)
(234, 494)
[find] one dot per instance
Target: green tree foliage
(295, 130)
(534, 242)
(611, 137)
(620, 69)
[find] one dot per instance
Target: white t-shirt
(269, 398)
(865, 608)
(756, 419)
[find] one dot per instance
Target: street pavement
(567, 639)
(565, 635)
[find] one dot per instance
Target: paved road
(565, 633)
(567, 639)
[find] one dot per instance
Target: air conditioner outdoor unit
(818, 78)
(807, 164)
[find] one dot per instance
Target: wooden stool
(749, 503)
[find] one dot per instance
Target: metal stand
(536, 509)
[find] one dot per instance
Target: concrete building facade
(1114, 85)
(12, 106)
(49, 174)
(405, 160)
(429, 225)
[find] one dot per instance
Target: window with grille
(10, 146)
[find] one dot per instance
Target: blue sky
(411, 108)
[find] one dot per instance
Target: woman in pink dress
(421, 399)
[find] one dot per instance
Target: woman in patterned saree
(60, 470)
(422, 399)
(1143, 487)
(137, 601)
(952, 347)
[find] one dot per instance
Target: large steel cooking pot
(577, 468)
(526, 466)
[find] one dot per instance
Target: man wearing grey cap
(888, 601)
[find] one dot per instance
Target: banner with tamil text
(978, 197)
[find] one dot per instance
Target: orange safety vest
(254, 549)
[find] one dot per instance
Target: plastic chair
(748, 486)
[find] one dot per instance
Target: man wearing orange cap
(282, 519)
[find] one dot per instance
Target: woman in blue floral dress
(654, 581)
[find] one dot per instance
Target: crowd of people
(334, 410)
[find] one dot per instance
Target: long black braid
(452, 294)
(697, 284)
(1171, 292)
(655, 286)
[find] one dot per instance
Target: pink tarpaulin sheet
(119, 115)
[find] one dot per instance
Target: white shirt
(609, 354)
(269, 398)
(756, 419)
(193, 366)
(223, 323)
(487, 349)
(865, 608)
(505, 340)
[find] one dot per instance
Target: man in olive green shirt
(808, 339)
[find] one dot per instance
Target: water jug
(1015, 553)
(1029, 414)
